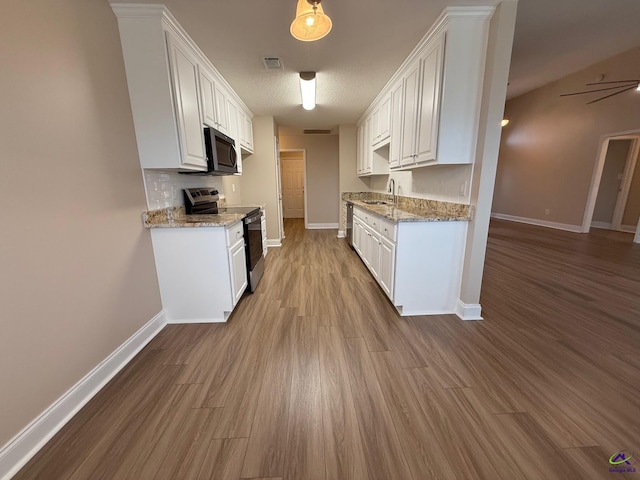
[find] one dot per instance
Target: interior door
(611, 184)
(292, 184)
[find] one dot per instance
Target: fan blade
(611, 95)
(597, 90)
(616, 81)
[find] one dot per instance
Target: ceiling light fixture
(504, 122)
(308, 90)
(310, 23)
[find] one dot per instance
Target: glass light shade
(308, 90)
(309, 25)
(505, 122)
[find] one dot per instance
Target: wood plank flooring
(316, 377)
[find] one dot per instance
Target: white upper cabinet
(440, 84)
(184, 70)
(173, 88)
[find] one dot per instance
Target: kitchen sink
(375, 202)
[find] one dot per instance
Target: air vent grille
(316, 132)
(272, 63)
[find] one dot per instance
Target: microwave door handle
(233, 155)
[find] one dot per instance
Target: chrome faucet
(392, 190)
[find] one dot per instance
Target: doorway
(292, 173)
(614, 201)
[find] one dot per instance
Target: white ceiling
(370, 39)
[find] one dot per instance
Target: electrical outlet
(546, 211)
(233, 187)
(462, 191)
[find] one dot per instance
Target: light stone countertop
(175, 217)
(409, 209)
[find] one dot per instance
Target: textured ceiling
(370, 39)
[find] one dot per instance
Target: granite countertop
(409, 209)
(175, 217)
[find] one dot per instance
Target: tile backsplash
(164, 189)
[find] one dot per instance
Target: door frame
(597, 176)
(304, 175)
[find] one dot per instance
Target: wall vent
(316, 132)
(272, 63)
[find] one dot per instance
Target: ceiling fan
(624, 85)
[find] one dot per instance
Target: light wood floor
(316, 377)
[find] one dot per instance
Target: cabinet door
(247, 133)
(375, 119)
(429, 107)
(238, 264)
(208, 94)
(222, 116)
(359, 146)
(358, 232)
(367, 159)
(409, 115)
(386, 272)
(374, 253)
(384, 119)
(396, 126)
(184, 71)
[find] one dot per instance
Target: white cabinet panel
(427, 126)
(238, 263)
(184, 69)
(386, 272)
(410, 85)
(396, 126)
(208, 91)
(222, 116)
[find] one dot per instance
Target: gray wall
(258, 181)
(548, 151)
(77, 273)
(322, 172)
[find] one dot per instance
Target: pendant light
(310, 23)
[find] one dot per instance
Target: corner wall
(258, 181)
(550, 147)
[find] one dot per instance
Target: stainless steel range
(202, 201)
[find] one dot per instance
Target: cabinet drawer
(387, 229)
(235, 232)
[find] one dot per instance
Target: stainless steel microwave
(221, 154)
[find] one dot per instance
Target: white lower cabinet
(202, 271)
(417, 264)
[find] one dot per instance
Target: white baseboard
(628, 228)
(539, 223)
(468, 311)
(342, 234)
(605, 225)
(19, 450)
(274, 243)
(321, 226)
